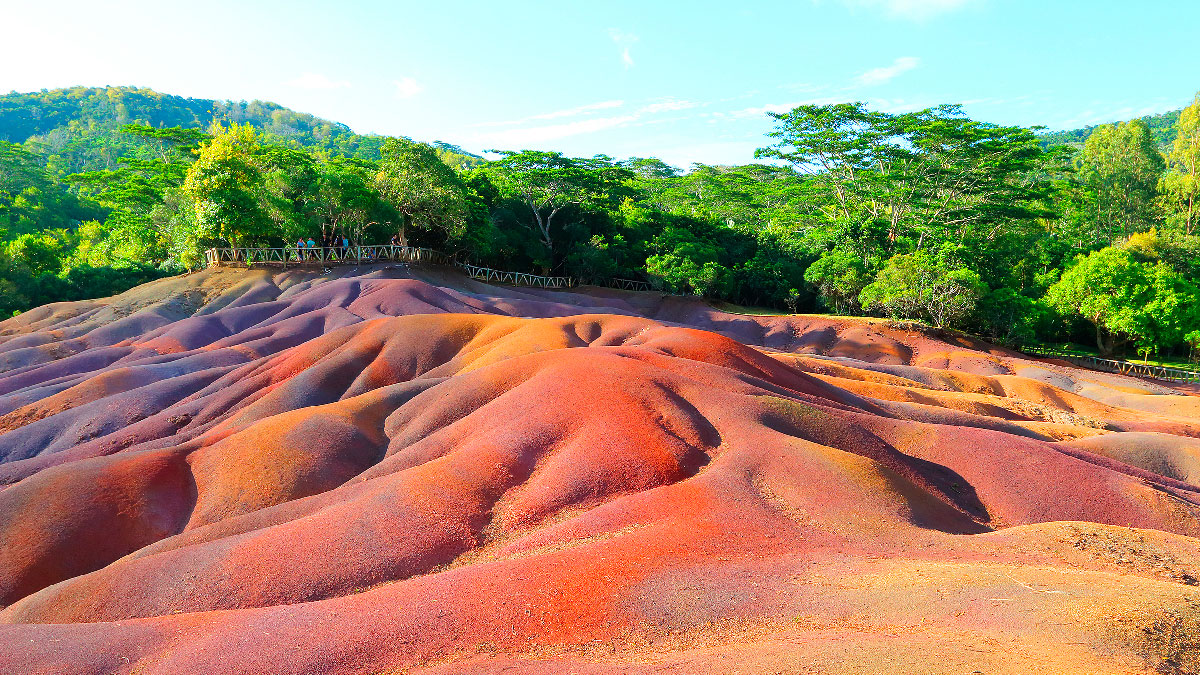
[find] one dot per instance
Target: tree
(898, 183)
(422, 189)
(848, 152)
(923, 286)
(227, 188)
(1121, 166)
(1181, 184)
(549, 182)
(685, 260)
(1125, 299)
(347, 199)
(839, 277)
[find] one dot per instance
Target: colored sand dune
(395, 470)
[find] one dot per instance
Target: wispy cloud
(316, 81)
(760, 110)
(528, 136)
(912, 10)
(577, 111)
(884, 74)
(407, 87)
(624, 42)
(525, 134)
(668, 106)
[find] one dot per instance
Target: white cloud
(316, 81)
(528, 136)
(407, 87)
(577, 111)
(887, 73)
(914, 10)
(624, 42)
(667, 106)
(759, 111)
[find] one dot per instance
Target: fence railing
(355, 255)
(514, 278)
(337, 255)
(1119, 367)
(626, 284)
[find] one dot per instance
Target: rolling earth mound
(402, 470)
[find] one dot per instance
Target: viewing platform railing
(357, 255)
(337, 255)
(1118, 367)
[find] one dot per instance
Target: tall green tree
(228, 191)
(1181, 183)
(1120, 165)
(550, 182)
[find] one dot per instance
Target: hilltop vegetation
(78, 129)
(927, 216)
(1163, 128)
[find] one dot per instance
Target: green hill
(77, 129)
(1162, 125)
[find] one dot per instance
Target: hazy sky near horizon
(684, 81)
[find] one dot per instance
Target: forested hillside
(1162, 128)
(78, 129)
(924, 216)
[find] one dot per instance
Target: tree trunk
(1106, 342)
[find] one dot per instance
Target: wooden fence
(323, 255)
(1119, 367)
(356, 255)
(514, 278)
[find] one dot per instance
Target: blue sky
(684, 81)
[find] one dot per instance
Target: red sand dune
(394, 470)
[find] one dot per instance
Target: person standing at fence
(300, 249)
(312, 248)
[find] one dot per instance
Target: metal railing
(1119, 367)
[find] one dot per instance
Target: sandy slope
(398, 470)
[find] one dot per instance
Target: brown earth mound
(395, 470)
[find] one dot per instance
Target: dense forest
(927, 216)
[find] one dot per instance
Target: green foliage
(422, 189)
(550, 183)
(1180, 185)
(1163, 127)
(923, 286)
(1120, 168)
(839, 277)
(1125, 299)
(228, 188)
